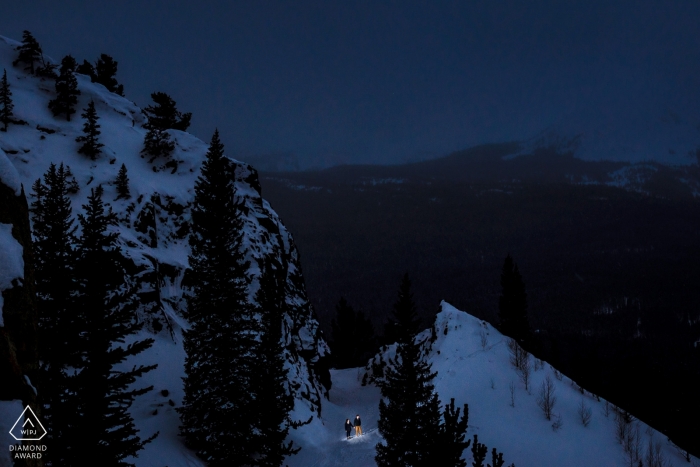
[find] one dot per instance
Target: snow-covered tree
(6, 105)
(29, 52)
(66, 89)
(91, 146)
(102, 424)
(218, 408)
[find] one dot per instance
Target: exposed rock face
(18, 345)
(18, 339)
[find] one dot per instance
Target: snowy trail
(348, 398)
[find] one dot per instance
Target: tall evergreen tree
(105, 72)
(29, 52)
(66, 89)
(122, 183)
(91, 146)
(218, 407)
(353, 341)
(272, 399)
(410, 418)
(512, 304)
(53, 240)
(103, 394)
(6, 105)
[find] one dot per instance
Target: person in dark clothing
(358, 426)
(348, 427)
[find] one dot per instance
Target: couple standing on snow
(357, 425)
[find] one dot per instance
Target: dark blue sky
(378, 81)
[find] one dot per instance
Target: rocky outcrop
(18, 336)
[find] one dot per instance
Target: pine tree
(122, 183)
(87, 69)
(410, 420)
(452, 436)
(29, 52)
(479, 452)
(53, 239)
(162, 116)
(272, 399)
(46, 69)
(66, 89)
(157, 144)
(105, 72)
(218, 409)
(103, 394)
(91, 131)
(512, 304)
(353, 341)
(6, 104)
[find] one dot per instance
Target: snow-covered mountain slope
(627, 128)
(472, 361)
(154, 225)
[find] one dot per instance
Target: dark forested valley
(608, 253)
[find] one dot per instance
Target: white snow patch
(8, 174)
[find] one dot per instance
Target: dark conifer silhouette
(409, 410)
(91, 146)
(6, 105)
(102, 422)
(157, 144)
(46, 69)
(353, 341)
(512, 304)
(453, 432)
(219, 363)
(66, 89)
(87, 69)
(479, 452)
(105, 72)
(58, 336)
(122, 183)
(162, 116)
(29, 52)
(272, 399)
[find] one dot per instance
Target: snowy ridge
(626, 128)
(472, 361)
(153, 227)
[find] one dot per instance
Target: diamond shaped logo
(28, 427)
